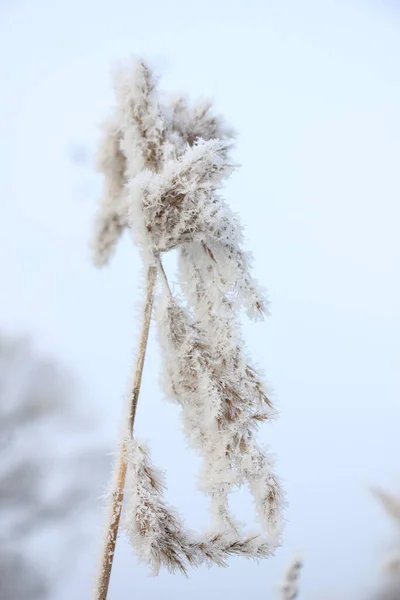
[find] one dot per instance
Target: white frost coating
(215, 275)
(113, 206)
(153, 529)
(133, 139)
(156, 531)
(164, 165)
(190, 123)
(139, 116)
(177, 204)
(222, 403)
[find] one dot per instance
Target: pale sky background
(313, 87)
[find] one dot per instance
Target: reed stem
(121, 466)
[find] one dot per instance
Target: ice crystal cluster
(164, 163)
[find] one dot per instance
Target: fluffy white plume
(112, 215)
(222, 403)
(140, 118)
(198, 121)
(178, 204)
(156, 531)
(133, 139)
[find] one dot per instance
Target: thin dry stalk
(121, 466)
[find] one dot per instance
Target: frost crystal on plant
(111, 220)
(164, 165)
(152, 527)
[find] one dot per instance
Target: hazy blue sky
(314, 90)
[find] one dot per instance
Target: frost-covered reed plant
(164, 164)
